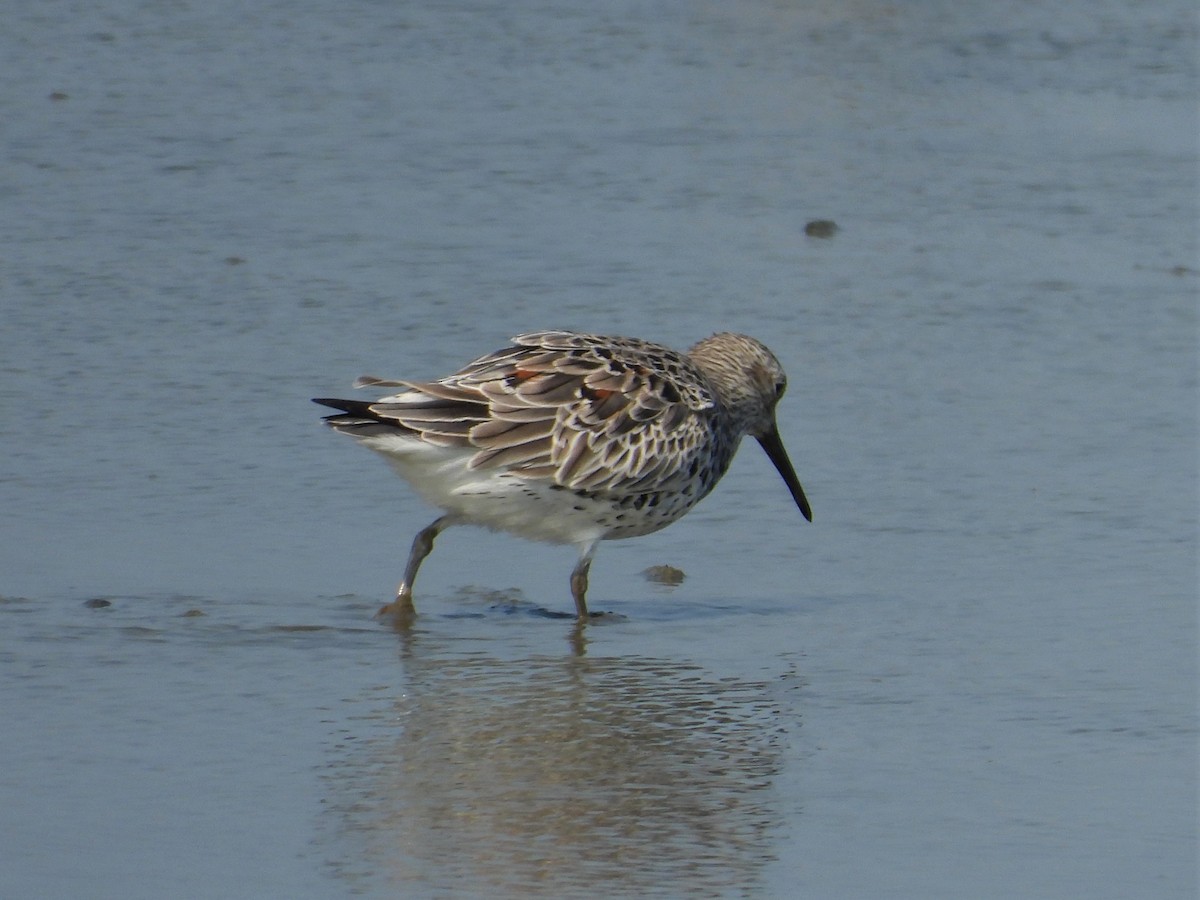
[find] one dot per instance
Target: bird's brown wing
(591, 413)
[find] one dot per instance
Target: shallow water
(974, 672)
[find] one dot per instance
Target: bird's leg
(579, 580)
(421, 546)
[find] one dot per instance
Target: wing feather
(591, 413)
(502, 433)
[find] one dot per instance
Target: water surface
(975, 672)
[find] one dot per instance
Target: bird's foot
(400, 611)
(600, 617)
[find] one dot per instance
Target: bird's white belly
(535, 509)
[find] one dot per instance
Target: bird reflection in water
(559, 776)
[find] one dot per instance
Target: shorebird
(573, 438)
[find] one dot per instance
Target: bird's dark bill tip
(773, 445)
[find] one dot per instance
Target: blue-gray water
(974, 675)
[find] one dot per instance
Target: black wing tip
(355, 417)
(334, 403)
(349, 412)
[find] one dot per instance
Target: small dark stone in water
(234, 260)
(58, 96)
(97, 603)
(191, 613)
(821, 228)
(664, 575)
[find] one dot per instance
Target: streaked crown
(747, 377)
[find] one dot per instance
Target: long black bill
(773, 444)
